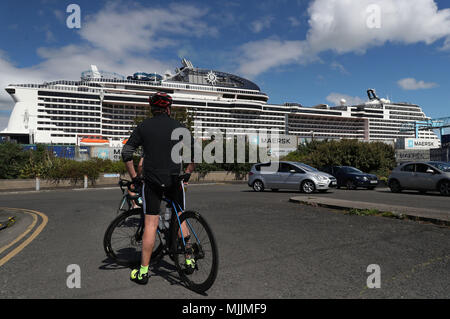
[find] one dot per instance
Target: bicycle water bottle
(167, 215)
(161, 223)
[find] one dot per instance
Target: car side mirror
(293, 171)
(430, 171)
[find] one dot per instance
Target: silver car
(421, 176)
(290, 175)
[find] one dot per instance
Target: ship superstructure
(106, 104)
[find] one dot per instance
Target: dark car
(352, 177)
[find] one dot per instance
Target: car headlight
(320, 177)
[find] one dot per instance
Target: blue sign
(103, 153)
(63, 151)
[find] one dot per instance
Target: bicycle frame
(178, 211)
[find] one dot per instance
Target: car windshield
(307, 167)
(445, 167)
(349, 169)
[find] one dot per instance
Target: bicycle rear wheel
(123, 239)
(204, 251)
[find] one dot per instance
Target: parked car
(421, 176)
(352, 177)
(290, 175)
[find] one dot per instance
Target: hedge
(372, 157)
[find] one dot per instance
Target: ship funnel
(186, 63)
(372, 95)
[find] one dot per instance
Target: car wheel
(350, 184)
(308, 187)
(258, 186)
(444, 188)
(395, 187)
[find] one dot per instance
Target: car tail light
(250, 173)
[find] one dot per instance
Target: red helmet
(161, 99)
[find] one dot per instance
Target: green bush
(37, 164)
(12, 159)
(372, 157)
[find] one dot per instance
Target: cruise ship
(105, 105)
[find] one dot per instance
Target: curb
(99, 187)
(402, 215)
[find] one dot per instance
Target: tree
(376, 157)
(12, 159)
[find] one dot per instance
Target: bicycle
(123, 241)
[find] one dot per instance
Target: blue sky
(309, 52)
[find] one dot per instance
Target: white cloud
(150, 29)
(338, 67)
(446, 46)
(294, 21)
(259, 56)
(342, 27)
(336, 98)
(60, 16)
(112, 43)
(413, 84)
(3, 122)
(259, 25)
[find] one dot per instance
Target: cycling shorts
(153, 194)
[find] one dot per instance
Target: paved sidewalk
(431, 215)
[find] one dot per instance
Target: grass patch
(372, 212)
(363, 212)
(391, 215)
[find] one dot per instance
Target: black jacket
(155, 135)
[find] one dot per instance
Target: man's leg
(152, 201)
(148, 240)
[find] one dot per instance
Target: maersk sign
(282, 141)
(415, 143)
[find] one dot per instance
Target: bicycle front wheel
(203, 250)
(123, 239)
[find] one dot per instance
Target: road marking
(29, 228)
(38, 230)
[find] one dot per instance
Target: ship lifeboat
(93, 140)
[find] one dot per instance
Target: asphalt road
(269, 248)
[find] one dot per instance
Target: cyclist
(161, 173)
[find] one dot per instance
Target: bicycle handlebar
(127, 183)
